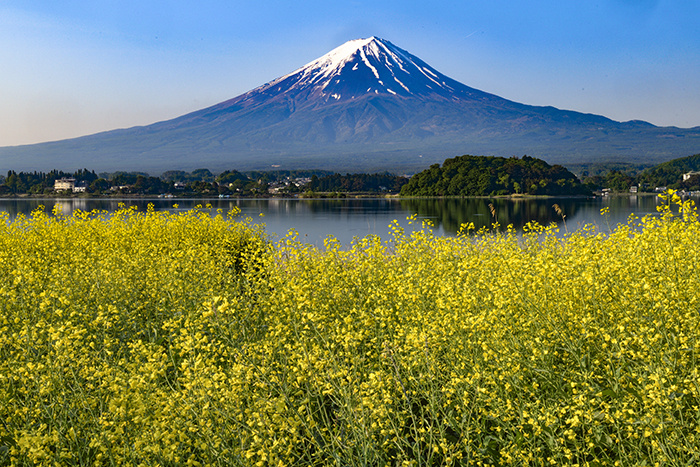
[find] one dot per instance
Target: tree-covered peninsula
(489, 176)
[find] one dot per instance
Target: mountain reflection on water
(347, 218)
(450, 213)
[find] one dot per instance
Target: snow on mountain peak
(340, 55)
(334, 61)
(360, 67)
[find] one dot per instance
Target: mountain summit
(367, 105)
(356, 92)
(361, 67)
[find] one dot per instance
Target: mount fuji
(367, 105)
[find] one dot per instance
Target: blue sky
(78, 67)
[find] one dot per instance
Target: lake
(345, 219)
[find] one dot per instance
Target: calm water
(314, 219)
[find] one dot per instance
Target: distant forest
(667, 174)
(368, 183)
(40, 182)
(203, 182)
(459, 176)
(198, 182)
(489, 176)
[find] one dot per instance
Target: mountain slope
(366, 105)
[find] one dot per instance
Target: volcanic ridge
(367, 105)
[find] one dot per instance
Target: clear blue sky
(77, 67)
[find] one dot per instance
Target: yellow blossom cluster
(149, 338)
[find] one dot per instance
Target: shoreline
(318, 195)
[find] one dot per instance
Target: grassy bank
(175, 339)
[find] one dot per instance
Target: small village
(198, 183)
(314, 183)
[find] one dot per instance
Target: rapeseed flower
(191, 338)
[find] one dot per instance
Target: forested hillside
(671, 172)
(358, 182)
(485, 176)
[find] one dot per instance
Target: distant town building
(686, 176)
(64, 184)
(80, 187)
(633, 189)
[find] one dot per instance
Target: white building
(80, 187)
(64, 184)
(686, 176)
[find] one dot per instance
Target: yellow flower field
(149, 338)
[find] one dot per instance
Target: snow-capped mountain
(360, 67)
(366, 105)
(370, 91)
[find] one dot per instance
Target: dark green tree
(489, 176)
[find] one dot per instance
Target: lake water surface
(314, 219)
